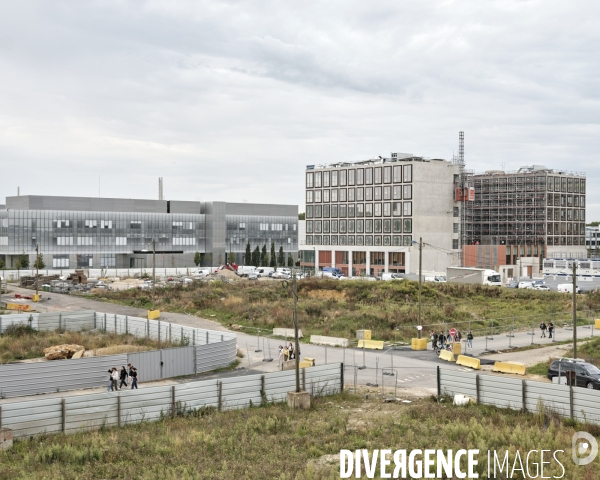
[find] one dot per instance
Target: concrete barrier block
(509, 367)
(363, 334)
(597, 323)
(447, 355)
(469, 362)
(331, 341)
(286, 332)
(371, 344)
(6, 438)
(153, 314)
(419, 344)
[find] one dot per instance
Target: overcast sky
(230, 100)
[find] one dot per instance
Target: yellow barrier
(597, 323)
(469, 362)
(18, 306)
(419, 344)
(309, 360)
(305, 364)
(153, 314)
(36, 298)
(456, 348)
(447, 355)
(363, 334)
(509, 367)
(372, 344)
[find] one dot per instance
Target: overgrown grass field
(19, 342)
(339, 308)
(274, 442)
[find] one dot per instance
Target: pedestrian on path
(470, 339)
(434, 339)
(550, 329)
(281, 357)
(543, 328)
(115, 379)
(110, 382)
(123, 376)
(133, 376)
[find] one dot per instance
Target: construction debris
(59, 352)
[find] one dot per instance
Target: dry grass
(331, 307)
(274, 442)
(25, 343)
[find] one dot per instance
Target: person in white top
(115, 379)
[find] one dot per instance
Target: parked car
(265, 271)
(513, 284)
(526, 284)
(391, 276)
(252, 276)
(544, 288)
(587, 375)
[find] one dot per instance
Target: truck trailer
(476, 276)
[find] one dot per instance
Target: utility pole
(574, 308)
(153, 270)
(420, 280)
(296, 347)
(37, 267)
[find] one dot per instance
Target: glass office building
(76, 232)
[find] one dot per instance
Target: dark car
(587, 375)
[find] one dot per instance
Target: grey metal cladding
(87, 204)
(261, 209)
(147, 365)
(215, 355)
(19, 379)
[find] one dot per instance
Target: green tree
(231, 257)
(281, 257)
(39, 261)
(290, 260)
(256, 257)
(264, 257)
(197, 258)
(301, 216)
(2, 264)
(208, 259)
(24, 261)
(593, 224)
(248, 256)
(273, 258)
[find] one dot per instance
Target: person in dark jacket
(133, 374)
(123, 376)
(110, 380)
(550, 329)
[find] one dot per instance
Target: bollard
(325, 354)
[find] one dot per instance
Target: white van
(244, 270)
(526, 284)
(568, 288)
(391, 276)
(264, 271)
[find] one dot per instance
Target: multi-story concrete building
(77, 232)
(592, 240)
(535, 212)
(364, 217)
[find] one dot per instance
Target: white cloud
(230, 100)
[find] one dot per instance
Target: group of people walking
(122, 375)
(546, 328)
(286, 352)
(441, 341)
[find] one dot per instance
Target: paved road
(413, 368)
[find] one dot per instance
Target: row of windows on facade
(396, 209)
(108, 224)
(83, 261)
(359, 176)
(120, 241)
(275, 227)
(359, 240)
(358, 257)
(550, 183)
(359, 226)
(553, 199)
(359, 194)
(549, 228)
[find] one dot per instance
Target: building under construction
(535, 212)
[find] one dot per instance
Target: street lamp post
(153, 270)
(420, 281)
(37, 267)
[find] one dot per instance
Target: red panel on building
(484, 256)
(325, 258)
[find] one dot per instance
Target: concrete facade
(365, 217)
(79, 232)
